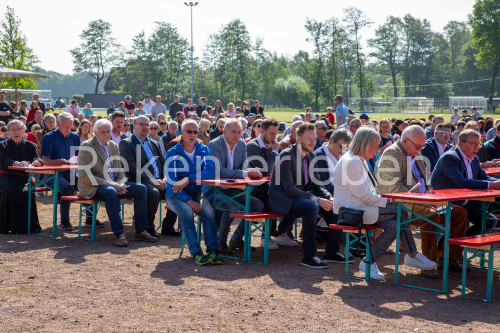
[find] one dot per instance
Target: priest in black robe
(14, 184)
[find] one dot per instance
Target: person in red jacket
(330, 115)
(31, 113)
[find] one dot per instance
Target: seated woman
(14, 185)
(356, 188)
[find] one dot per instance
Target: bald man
(401, 167)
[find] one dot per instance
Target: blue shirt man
(341, 111)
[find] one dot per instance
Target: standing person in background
(87, 111)
(330, 115)
(31, 113)
(218, 109)
(111, 109)
(189, 108)
(158, 108)
(73, 108)
(147, 104)
(175, 107)
(341, 111)
(455, 117)
(475, 114)
(257, 108)
(201, 107)
(41, 105)
(129, 105)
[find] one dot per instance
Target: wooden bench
(482, 247)
(87, 206)
(197, 220)
(364, 239)
(41, 189)
(256, 222)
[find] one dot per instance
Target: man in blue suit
(230, 152)
(435, 147)
(459, 168)
(327, 158)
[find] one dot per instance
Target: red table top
(445, 195)
(478, 240)
(237, 182)
(492, 171)
(46, 168)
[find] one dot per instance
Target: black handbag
(351, 217)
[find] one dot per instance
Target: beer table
(492, 171)
(53, 174)
(441, 199)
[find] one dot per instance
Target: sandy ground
(68, 285)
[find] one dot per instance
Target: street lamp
(191, 4)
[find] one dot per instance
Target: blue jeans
(230, 207)
(65, 188)
(308, 211)
(186, 217)
(111, 200)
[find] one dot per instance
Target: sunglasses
(153, 128)
(191, 132)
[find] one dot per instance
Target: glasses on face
(153, 128)
(191, 132)
(444, 133)
(322, 128)
(473, 144)
(417, 147)
(126, 125)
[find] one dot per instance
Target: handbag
(350, 217)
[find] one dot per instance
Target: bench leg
(464, 272)
(123, 209)
(247, 236)
(489, 286)
(368, 254)
(94, 219)
(80, 222)
(347, 250)
(198, 228)
(266, 240)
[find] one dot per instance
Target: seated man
(401, 168)
(493, 146)
(459, 167)
(327, 158)
(291, 138)
(429, 131)
(295, 193)
(145, 166)
(438, 145)
(321, 130)
(229, 150)
(102, 178)
(187, 161)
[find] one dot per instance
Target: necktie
(107, 161)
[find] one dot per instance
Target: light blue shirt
(341, 110)
(150, 155)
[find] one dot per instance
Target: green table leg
(30, 192)
(398, 231)
(56, 194)
(446, 255)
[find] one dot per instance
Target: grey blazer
(218, 149)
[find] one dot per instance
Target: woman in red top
(31, 113)
(330, 116)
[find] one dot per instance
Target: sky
(52, 27)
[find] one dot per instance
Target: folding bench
(87, 206)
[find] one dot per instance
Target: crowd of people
(320, 164)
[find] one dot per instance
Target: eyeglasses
(444, 133)
(473, 144)
(153, 128)
(191, 132)
(417, 147)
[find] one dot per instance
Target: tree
(458, 36)
(388, 48)
(14, 50)
(485, 23)
(97, 52)
(356, 20)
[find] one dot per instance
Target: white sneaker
(420, 261)
(284, 240)
(271, 246)
(374, 272)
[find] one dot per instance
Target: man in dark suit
(229, 151)
(429, 131)
(459, 168)
(295, 192)
(145, 166)
(327, 158)
(257, 108)
(435, 147)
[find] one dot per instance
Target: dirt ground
(69, 285)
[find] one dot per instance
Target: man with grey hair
(145, 166)
(347, 124)
(129, 105)
(38, 120)
(321, 129)
(401, 168)
(459, 168)
(158, 108)
(102, 178)
(57, 150)
(171, 134)
(354, 126)
(230, 152)
(291, 138)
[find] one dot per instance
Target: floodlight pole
(191, 4)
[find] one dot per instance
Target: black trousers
(334, 235)
(474, 214)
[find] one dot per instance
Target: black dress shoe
(153, 233)
(170, 231)
(98, 224)
(224, 249)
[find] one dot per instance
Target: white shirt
(148, 106)
(230, 155)
(191, 155)
(440, 148)
(116, 139)
(467, 162)
(332, 161)
(263, 145)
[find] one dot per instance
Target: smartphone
(230, 181)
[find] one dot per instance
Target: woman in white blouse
(356, 188)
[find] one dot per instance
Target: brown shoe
(121, 241)
(431, 274)
(144, 236)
